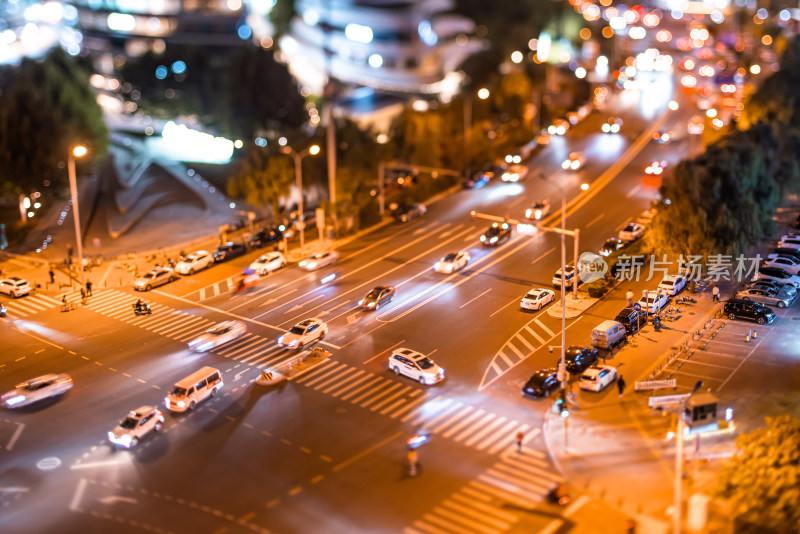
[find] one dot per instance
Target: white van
(608, 335)
(196, 387)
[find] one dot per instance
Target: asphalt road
(326, 452)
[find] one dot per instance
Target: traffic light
(561, 404)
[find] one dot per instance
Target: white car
(655, 303)
(778, 275)
(266, 263)
(154, 278)
(568, 280)
(515, 173)
(37, 389)
(597, 377)
(319, 260)
(218, 335)
(196, 261)
(538, 211)
(537, 298)
(136, 425)
(647, 216)
(455, 261)
(787, 263)
(559, 127)
(574, 162)
(416, 366)
(304, 332)
(696, 125)
(14, 286)
(672, 284)
(612, 125)
(631, 232)
(656, 167)
(789, 242)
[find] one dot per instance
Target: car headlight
(493, 240)
(16, 399)
(438, 265)
(311, 265)
(361, 302)
(302, 263)
(292, 343)
(181, 404)
(575, 164)
(280, 340)
(565, 165)
(111, 436)
(371, 305)
(538, 214)
(483, 238)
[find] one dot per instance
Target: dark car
(632, 319)
(478, 180)
(612, 245)
(747, 309)
(542, 383)
(783, 251)
(264, 238)
(228, 251)
(377, 297)
(406, 212)
(496, 234)
(579, 359)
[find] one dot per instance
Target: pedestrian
(621, 385)
(52, 276)
(413, 462)
(715, 294)
(83, 294)
(89, 288)
(630, 526)
(629, 297)
(520, 439)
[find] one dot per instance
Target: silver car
(136, 425)
(156, 277)
(218, 335)
(764, 296)
(37, 389)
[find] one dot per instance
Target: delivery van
(608, 335)
(197, 387)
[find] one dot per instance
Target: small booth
(700, 412)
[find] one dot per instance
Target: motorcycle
(144, 309)
(2, 310)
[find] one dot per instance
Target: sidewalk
(615, 448)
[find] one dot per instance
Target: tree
(763, 478)
(262, 95)
(47, 108)
(262, 179)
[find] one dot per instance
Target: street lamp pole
(78, 151)
(483, 94)
(313, 150)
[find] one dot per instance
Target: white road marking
(14, 438)
(574, 507)
(76, 498)
(633, 191)
(112, 499)
(590, 223)
(476, 298)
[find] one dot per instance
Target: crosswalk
(480, 429)
(495, 500)
(213, 290)
(30, 305)
(530, 337)
(250, 348)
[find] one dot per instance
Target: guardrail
(667, 400)
(655, 384)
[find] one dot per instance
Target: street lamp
(483, 94)
(77, 152)
(313, 150)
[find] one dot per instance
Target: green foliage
(47, 108)
(262, 94)
(241, 92)
(763, 479)
(722, 201)
(262, 179)
(597, 289)
(281, 16)
(777, 98)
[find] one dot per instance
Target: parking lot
(723, 349)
